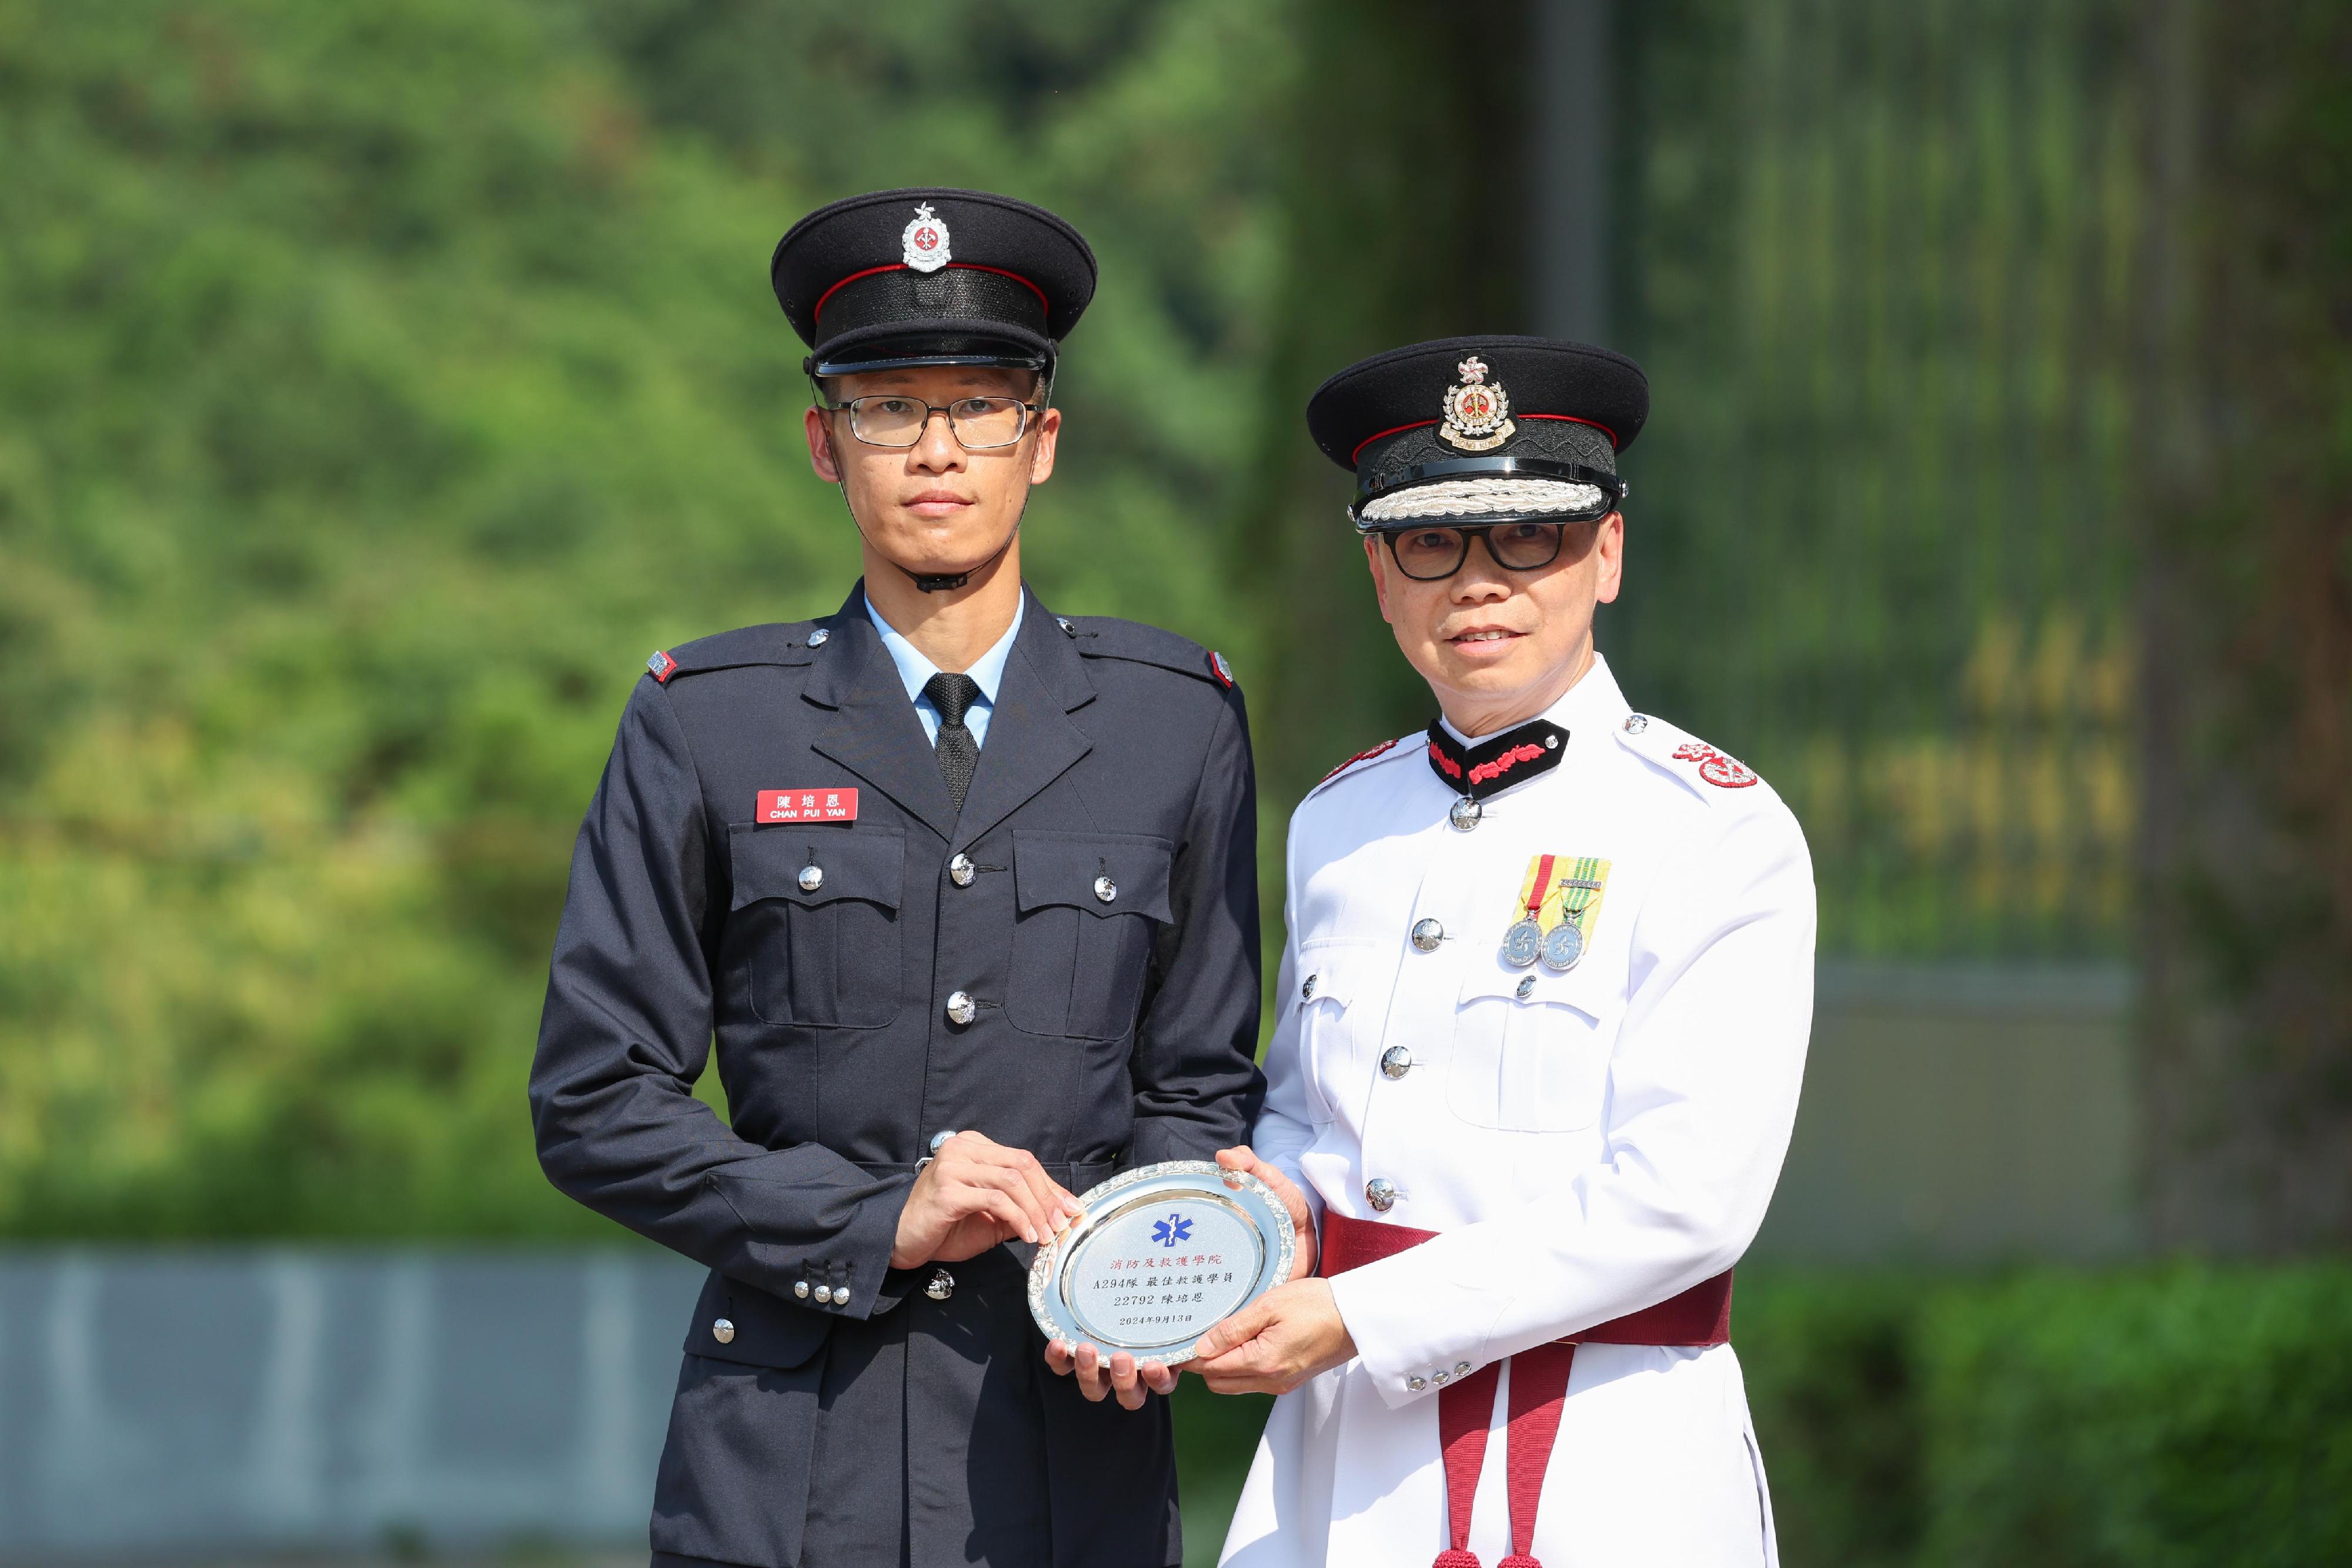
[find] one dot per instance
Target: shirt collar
(916, 671)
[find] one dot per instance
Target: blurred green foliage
(378, 385)
(2150, 1418)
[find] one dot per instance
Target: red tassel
(1515, 1561)
(1454, 1557)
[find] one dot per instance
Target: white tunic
(1591, 1147)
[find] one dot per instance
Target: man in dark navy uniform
(967, 892)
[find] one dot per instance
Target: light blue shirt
(987, 673)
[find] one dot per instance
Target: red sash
(1699, 1316)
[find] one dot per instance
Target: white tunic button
(961, 1008)
(959, 871)
(817, 637)
(799, 1289)
(811, 878)
(941, 1287)
(1381, 1194)
(1105, 889)
(1527, 989)
(722, 1331)
(1426, 936)
(1395, 1061)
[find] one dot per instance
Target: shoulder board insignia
(661, 667)
(1722, 771)
(1221, 669)
(1364, 756)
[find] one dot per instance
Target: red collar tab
(1492, 766)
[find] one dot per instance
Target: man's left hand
(1276, 1342)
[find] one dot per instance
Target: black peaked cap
(1567, 403)
(1014, 283)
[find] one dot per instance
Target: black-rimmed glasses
(1432, 553)
(895, 420)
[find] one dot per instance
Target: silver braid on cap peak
(1481, 498)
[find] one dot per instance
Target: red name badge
(808, 805)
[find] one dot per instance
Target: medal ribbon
(1542, 888)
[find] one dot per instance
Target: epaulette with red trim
(1369, 754)
(1107, 637)
(782, 643)
(1706, 770)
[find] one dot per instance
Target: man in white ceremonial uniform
(1544, 1006)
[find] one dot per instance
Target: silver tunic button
(799, 1289)
(824, 1295)
(1105, 889)
(1443, 1378)
(817, 637)
(811, 878)
(961, 1008)
(941, 1287)
(1527, 989)
(722, 1331)
(1381, 1194)
(1461, 1369)
(1416, 1384)
(1306, 991)
(1464, 814)
(959, 871)
(1426, 936)
(1636, 723)
(1395, 1061)
(940, 1140)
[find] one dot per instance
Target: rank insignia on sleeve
(1558, 904)
(923, 245)
(1478, 411)
(1714, 766)
(661, 667)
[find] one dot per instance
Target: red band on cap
(818, 308)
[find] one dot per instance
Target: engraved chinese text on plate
(1162, 1252)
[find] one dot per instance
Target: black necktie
(958, 752)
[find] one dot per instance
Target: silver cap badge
(923, 245)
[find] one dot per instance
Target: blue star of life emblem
(1171, 1230)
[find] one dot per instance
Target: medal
(1563, 945)
(1524, 942)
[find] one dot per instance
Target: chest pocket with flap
(1537, 1063)
(1078, 956)
(1339, 1028)
(825, 955)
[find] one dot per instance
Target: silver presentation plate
(1160, 1253)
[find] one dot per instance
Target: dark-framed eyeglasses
(1431, 552)
(896, 419)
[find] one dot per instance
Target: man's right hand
(974, 1194)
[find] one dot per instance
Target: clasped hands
(976, 1193)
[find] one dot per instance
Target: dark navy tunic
(885, 1426)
